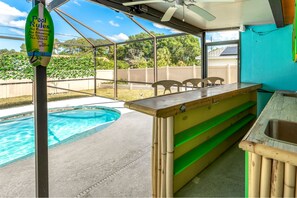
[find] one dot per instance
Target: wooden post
(277, 181)
(146, 75)
(170, 157)
(129, 79)
(290, 177)
(229, 73)
(167, 73)
(265, 177)
(255, 175)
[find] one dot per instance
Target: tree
(23, 47)
(163, 57)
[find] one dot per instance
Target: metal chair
(167, 84)
(214, 81)
(195, 82)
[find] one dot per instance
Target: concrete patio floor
(115, 162)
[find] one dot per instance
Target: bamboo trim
(170, 157)
(269, 152)
(290, 179)
(265, 177)
(255, 175)
(277, 181)
(249, 169)
(159, 159)
(295, 184)
(163, 156)
(154, 157)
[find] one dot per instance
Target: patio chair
(195, 82)
(167, 84)
(214, 81)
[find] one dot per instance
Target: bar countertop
(172, 104)
(281, 107)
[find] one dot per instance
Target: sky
(114, 25)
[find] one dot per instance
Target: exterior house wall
(266, 57)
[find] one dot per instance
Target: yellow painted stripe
(193, 117)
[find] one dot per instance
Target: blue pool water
(17, 134)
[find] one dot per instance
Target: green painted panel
(195, 154)
(246, 175)
(197, 130)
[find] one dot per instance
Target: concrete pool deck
(114, 162)
(111, 163)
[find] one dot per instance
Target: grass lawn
(123, 94)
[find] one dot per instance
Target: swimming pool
(64, 124)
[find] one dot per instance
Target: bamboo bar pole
(295, 184)
(290, 177)
(170, 157)
(277, 181)
(154, 157)
(255, 176)
(265, 177)
(249, 172)
(159, 159)
(163, 156)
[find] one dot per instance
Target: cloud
(119, 17)
(114, 23)
(10, 16)
(166, 28)
(223, 36)
(98, 21)
(76, 2)
(119, 37)
(19, 32)
(175, 31)
(18, 24)
(157, 25)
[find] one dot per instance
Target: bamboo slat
(163, 156)
(277, 181)
(265, 177)
(290, 180)
(249, 172)
(154, 157)
(255, 175)
(296, 185)
(170, 157)
(159, 159)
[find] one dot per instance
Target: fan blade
(169, 13)
(203, 13)
(142, 2)
(216, 1)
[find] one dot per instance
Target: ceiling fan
(189, 4)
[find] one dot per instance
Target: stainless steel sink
(282, 130)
